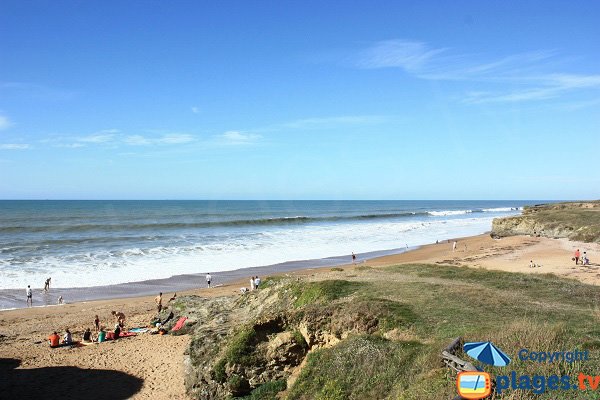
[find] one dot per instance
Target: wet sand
(151, 366)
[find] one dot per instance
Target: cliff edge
(573, 220)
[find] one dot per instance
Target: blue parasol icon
(487, 353)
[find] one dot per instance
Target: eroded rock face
(254, 340)
(576, 221)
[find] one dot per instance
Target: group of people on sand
(579, 257)
(29, 293)
(254, 284)
(100, 332)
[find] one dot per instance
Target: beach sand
(151, 366)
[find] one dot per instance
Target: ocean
(96, 249)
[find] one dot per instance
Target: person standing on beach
(353, 258)
(29, 294)
(158, 301)
(47, 285)
(120, 317)
(97, 324)
(208, 279)
(256, 282)
(251, 283)
(577, 255)
(454, 246)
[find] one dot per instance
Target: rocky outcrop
(262, 338)
(575, 220)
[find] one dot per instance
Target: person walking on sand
(29, 294)
(454, 246)
(47, 285)
(577, 255)
(353, 258)
(158, 300)
(208, 279)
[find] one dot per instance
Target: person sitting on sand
(101, 335)
(54, 339)
(97, 323)
(585, 260)
(120, 318)
(531, 264)
(117, 331)
(87, 335)
(67, 338)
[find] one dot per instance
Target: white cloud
(70, 145)
(195, 110)
(529, 73)
(408, 55)
(97, 138)
(171, 138)
(323, 122)
(176, 138)
(239, 138)
(136, 140)
(14, 146)
(4, 122)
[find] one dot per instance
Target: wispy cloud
(529, 74)
(195, 110)
(4, 122)
(238, 138)
(171, 138)
(14, 146)
(176, 138)
(326, 122)
(102, 137)
(408, 55)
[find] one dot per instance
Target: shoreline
(14, 299)
(432, 253)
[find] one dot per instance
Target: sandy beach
(151, 366)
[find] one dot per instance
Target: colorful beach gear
(179, 324)
(487, 353)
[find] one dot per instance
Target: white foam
(231, 252)
(502, 209)
(449, 212)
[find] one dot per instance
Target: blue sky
(299, 100)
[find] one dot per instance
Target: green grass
(361, 367)
(239, 350)
(430, 305)
(322, 291)
(266, 391)
(337, 269)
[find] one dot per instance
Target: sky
(299, 100)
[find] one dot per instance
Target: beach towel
(138, 330)
(127, 334)
(179, 324)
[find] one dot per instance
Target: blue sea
(82, 244)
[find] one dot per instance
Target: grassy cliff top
(574, 220)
